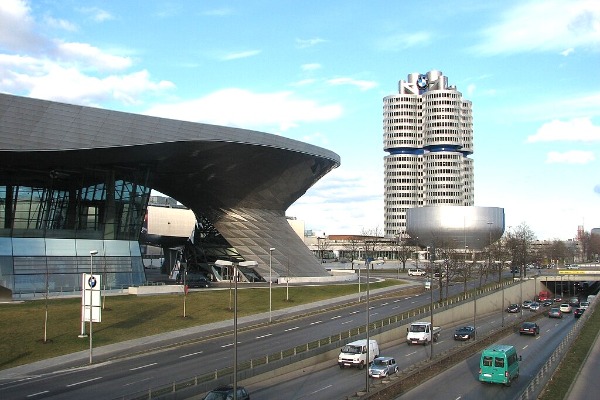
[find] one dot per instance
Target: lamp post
(229, 264)
(92, 254)
(432, 259)
(367, 330)
(270, 281)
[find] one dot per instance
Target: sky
(317, 71)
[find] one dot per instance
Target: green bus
(499, 364)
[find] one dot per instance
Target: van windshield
(417, 328)
(351, 349)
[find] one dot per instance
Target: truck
(544, 295)
(422, 333)
(354, 354)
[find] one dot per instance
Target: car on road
(574, 302)
(547, 303)
(513, 308)
(558, 299)
(226, 393)
(584, 304)
(535, 306)
(555, 313)
(578, 312)
(465, 333)
(566, 308)
(197, 281)
(529, 328)
(382, 367)
(416, 272)
(526, 303)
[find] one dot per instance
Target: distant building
(428, 138)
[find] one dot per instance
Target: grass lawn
(129, 317)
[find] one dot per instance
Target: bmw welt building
(75, 183)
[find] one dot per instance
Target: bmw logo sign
(92, 282)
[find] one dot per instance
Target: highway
(461, 381)
(135, 374)
(115, 378)
(328, 381)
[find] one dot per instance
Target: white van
(416, 272)
(354, 354)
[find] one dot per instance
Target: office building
(428, 138)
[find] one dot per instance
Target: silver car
(382, 367)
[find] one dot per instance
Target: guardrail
(285, 358)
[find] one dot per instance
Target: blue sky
(317, 71)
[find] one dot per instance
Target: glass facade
(51, 220)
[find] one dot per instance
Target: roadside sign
(91, 297)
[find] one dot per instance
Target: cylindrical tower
(428, 137)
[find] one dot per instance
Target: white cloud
(17, 28)
(567, 52)
(342, 202)
(550, 25)
(97, 14)
(361, 84)
(310, 67)
(304, 82)
(578, 130)
(242, 108)
(471, 89)
(90, 56)
(60, 24)
(404, 41)
(241, 54)
(570, 157)
(304, 43)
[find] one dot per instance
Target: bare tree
(519, 242)
(404, 251)
(352, 247)
(372, 241)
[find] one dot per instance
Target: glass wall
(51, 220)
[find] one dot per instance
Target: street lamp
(229, 264)
(270, 281)
(92, 254)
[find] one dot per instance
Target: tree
(519, 244)
(371, 242)
(404, 250)
(352, 247)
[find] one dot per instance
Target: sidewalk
(131, 347)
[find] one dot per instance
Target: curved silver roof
(455, 226)
(241, 180)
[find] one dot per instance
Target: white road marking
(264, 336)
(336, 317)
(355, 312)
(320, 390)
(347, 322)
(37, 394)
(191, 354)
(410, 354)
(142, 367)
(82, 382)
(292, 329)
(316, 322)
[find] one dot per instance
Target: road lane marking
(347, 322)
(385, 304)
(135, 382)
(142, 366)
(292, 329)
(394, 308)
(316, 322)
(191, 354)
(410, 354)
(264, 336)
(82, 382)
(336, 317)
(37, 394)
(320, 390)
(396, 301)
(525, 347)
(355, 312)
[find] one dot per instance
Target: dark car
(555, 313)
(197, 281)
(547, 303)
(529, 328)
(578, 312)
(226, 393)
(513, 308)
(464, 333)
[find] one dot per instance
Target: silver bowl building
(75, 180)
(455, 227)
